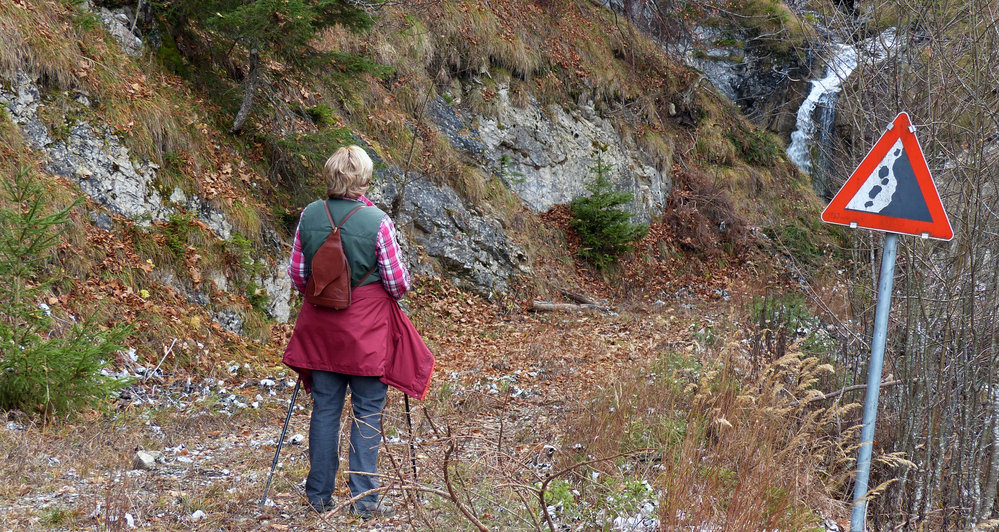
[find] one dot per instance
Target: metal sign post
(885, 282)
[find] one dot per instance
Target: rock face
(721, 61)
(117, 25)
(96, 160)
(100, 164)
(760, 84)
(545, 155)
(469, 247)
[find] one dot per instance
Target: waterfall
(823, 96)
(840, 66)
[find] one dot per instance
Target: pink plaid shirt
(395, 276)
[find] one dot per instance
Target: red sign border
(836, 212)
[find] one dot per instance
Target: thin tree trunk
(250, 88)
(993, 476)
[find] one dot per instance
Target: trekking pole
(277, 452)
(412, 444)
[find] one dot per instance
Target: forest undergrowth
(703, 408)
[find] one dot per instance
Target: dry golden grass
(69, 49)
(32, 40)
(739, 452)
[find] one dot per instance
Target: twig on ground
(452, 495)
(165, 355)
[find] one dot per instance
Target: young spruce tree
(604, 227)
(44, 369)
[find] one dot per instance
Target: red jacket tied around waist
(371, 338)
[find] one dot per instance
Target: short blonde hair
(348, 172)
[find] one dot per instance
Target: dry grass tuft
(34, 41)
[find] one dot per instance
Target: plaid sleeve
(297, 269)
(395, 276)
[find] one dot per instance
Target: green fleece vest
(358, 235)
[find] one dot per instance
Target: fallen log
(548, 306)
(579, 298)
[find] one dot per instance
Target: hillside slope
(485, 119)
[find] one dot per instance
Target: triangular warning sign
(892, 189)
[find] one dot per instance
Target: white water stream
(825, 91)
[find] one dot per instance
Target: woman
(363, 348)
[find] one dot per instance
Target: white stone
(145, 459)
(178, 196)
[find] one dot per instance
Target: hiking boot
(367, 511)
(322, 507)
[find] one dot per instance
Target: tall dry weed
(767, 456)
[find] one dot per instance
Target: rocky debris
(145, 459)
(230, 320)
(102, 220)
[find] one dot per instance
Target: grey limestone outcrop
(95, 158)
(546, 155)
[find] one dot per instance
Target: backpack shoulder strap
(335, 225)
(349, 214)
(373, 266)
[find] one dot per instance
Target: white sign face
(876, 193)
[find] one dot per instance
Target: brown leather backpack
(329, 285)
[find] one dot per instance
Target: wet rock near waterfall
(756, 80)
